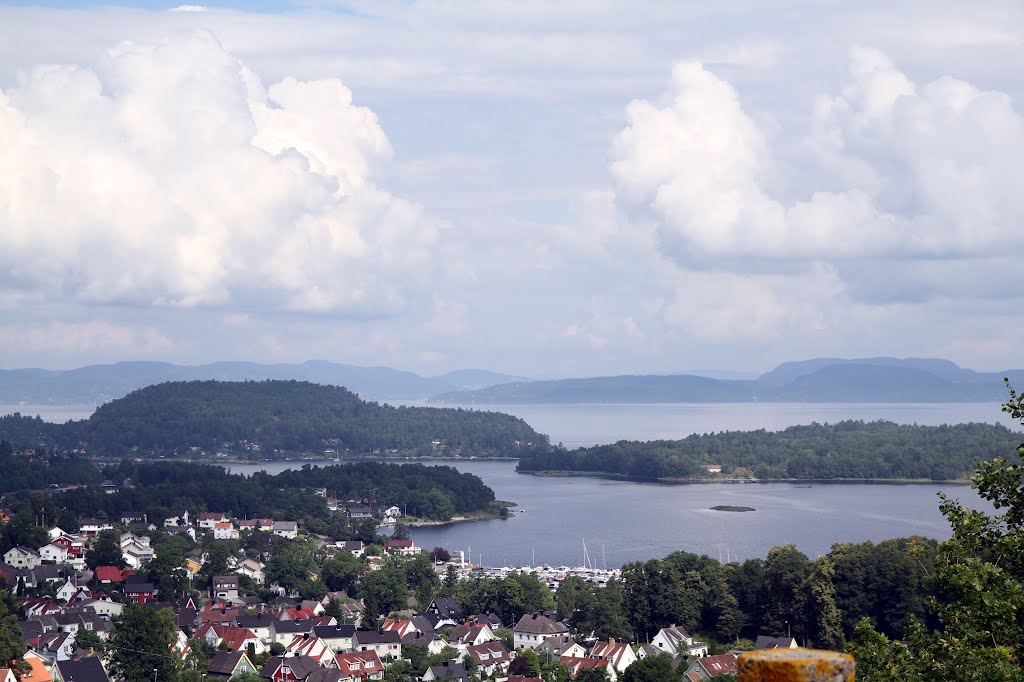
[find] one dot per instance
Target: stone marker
(795, 665)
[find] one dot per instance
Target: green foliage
(849, 449)
(385, 589)
(341, 572)
(106, 551)
(281, 416)
(508, 597)
(141, 643)
(88, 639)
(652, 669)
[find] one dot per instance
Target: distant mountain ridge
(96, 384)
(883, 380)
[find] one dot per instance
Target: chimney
(611, 642)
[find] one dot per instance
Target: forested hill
(263, 419)
(849, 449)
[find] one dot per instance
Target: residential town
(238, 614)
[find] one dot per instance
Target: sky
(544, 189)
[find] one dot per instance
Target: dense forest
(849, 449)
(263, 419)
(161, 488)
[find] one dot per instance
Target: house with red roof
(310, 645)
(359, 665)
(401, 626)
(712, 666)
(575, 665)
(109, 575)
(491, 658)
(618, 654)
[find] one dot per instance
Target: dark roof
(447, 606)
(224, 662)
(449, 670)
(420, 638)
(325, 675)
(293, 627)
(334, 631)
(87, 669)
(424, 623)
(766, 642)
(536, 624)
(302, 666)
(258, 620)
(377, 637)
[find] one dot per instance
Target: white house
(383, 642)
(225, 586)
(210, 520)
(67, 591)
(177, 520)
(618, 654)
(392, 513)
(56, 532)
(533, 629)
(251, 568)
(286, 529)
(53, 554)
(676, 640)
(22, 557)
(223, 530)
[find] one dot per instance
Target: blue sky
(542, 189)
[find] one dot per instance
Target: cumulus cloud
(168, 174)
(896, 168)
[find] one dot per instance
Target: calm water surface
(622, 522)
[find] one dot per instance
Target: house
(209, 520)
(288, 669)
(575, 665)
(359, 512)
(533, 629)
(491, 658)
(252, 569)
(402, 627)
(228, 664)
(86, 669)
(392, 513)
(225, 587)
(224, 531)
(645, 650)
(178, 520)
(447, 608)
(312, 646)
(326, 675)
(337, 637)
(286, 529)
(128, 518)
(384, 643)
(713, 666)
(360, 665)
(53, 554)
(55, 645)
(433, 643)
(67, 591)
(618, 654)
(136, 550)
(91, 527)
(282, 631)
(561, 645)
(404, 547)
(139, 593)
(449, 670)
(47, 573)
(676, 640)
(231, 638)
(353, 547)
(766, 642)
(22, 557)
(712, 468)
(110, 575)
(39, 669)
(469, 634)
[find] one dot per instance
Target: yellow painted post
(795, 665)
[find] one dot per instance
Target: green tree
(141, 642)
(340, 573)
(652, 669)
(823, 616)
(451, 579)
(385, 589)
(11, 646)
(784, 573)
(728, 616)
(106, 551)
(88, 639)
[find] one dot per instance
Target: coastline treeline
(263, 419)
(845, 450)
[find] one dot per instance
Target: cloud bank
(167, 174)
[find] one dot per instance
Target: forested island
(159, 489)
(847, 450)
(271, 419)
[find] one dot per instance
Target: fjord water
(622, 522)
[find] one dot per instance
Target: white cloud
(902, 170)
(168, 175)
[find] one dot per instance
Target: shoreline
(493, 513)
(711, 481)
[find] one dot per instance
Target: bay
(622, 521)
